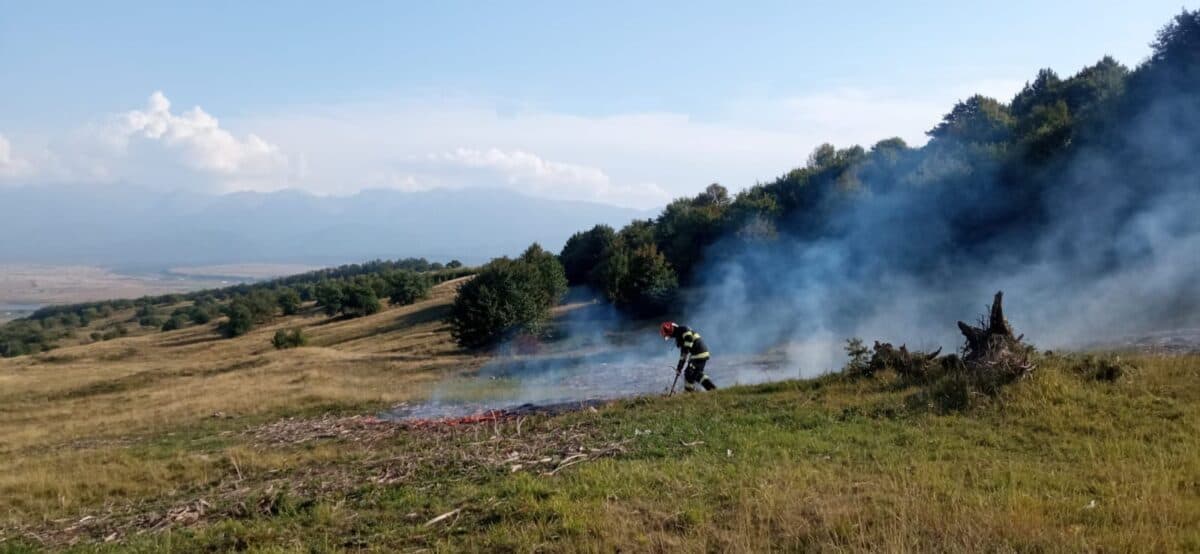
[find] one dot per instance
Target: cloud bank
(637, 160)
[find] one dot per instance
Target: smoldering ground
(595, 353)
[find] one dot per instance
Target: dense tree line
(349, 290)
(1027, 149)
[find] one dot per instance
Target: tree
(507, 297)
(583, 252)
(639, 280)
(329, 296)
(550, 279)
(407, 287)
(360, 300)
(289, 301)
(240, 321)
(978, 120)
(687, 227)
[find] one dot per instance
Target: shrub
(1100, 368)
(289, 339)
(951, 392)
(407, 287)
(329, 297)
(583, 254)
(175, 322)
(507, 297)
(240, 321)
(200, 313)
(639, 280)
(360, 300)
(289, 301)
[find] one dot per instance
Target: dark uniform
(690, 344)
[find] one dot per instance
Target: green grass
(1059, 462)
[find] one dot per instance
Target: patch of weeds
(1100, 368)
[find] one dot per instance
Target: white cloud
(155, 147)
(631, 159)
(534, 175)
(192, 141)
(10, 165)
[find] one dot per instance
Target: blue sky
(622, 102)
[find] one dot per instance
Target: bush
(583, 254)
(951, 392)
(639, 280)
(240, 321)
(200, 313)
(289, 339)
(289, 301)
(507, 297)
(175, 322)
(329, 297)
(1100, 368)
(407, 287)
(150, 321)
(360, 300)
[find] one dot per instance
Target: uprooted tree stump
(994, 355)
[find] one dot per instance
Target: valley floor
(182, 442)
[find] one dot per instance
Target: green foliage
(291, 338)
(639, 279)
(240, 320)
(688, 226)
(583, 252)
(289, 301)
(859, 364)
(174, 322)
(1100, 368)
(977, 120)
(329, 297)
(550, 279)
(507, 297)
(407, 287)
(359, 300)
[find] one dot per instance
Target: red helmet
(667, 329)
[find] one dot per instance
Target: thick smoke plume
(1116, 254)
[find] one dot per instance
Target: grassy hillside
(182, 441)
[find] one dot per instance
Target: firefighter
(691, 352)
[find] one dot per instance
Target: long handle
(676, 381)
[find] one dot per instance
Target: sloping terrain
(182, 441)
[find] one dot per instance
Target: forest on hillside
(1079, 193)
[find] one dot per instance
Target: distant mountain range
(145, 229)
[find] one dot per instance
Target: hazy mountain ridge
(144, 228)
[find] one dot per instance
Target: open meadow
(184, 441)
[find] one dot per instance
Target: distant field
(245, 272)
(28, 286)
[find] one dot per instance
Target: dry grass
(67, 416)
(118, 440)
